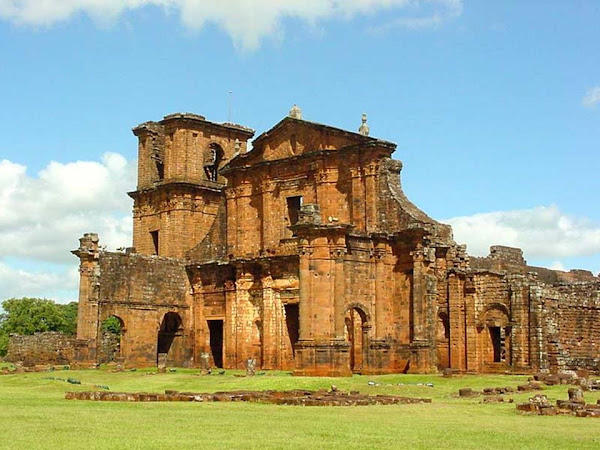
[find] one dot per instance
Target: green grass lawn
(34, 415)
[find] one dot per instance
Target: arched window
(213, 156)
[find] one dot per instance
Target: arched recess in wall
(112, 331)
(213, 158)
(356, 331)
(443, 340)
(170, 338)
(495, 334)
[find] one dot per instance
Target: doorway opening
(170, 336)
(215, 328)
(113, 329)
(356, 334)
(497, 343)
(292, 321)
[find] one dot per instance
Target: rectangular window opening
(154, 235)
(160, 169)
(293, 208)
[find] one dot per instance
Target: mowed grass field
(34, 415)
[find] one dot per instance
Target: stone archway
(356, 331)
(170, 339)
(112, 331)
(495, 336)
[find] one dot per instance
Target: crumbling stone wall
(306, 254)
(140, 290)
(572, 327)
(41, 348)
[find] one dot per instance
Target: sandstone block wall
(41, 348)
(573, 326)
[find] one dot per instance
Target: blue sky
(495, 107)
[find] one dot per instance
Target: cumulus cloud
(592, 97)
(42, 217)
(246, 21)
(543, 232)
(60, 285)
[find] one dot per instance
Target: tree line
(32, 315)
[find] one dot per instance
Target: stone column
(229, 327)
(456, 322)
(418, 297)
(305, 250)
(339, 289)
(381, 299)
(370, 172)
(89, 291)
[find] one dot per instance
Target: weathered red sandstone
(304, 254)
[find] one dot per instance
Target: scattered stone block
(162, 363)
(250, 367)
(540, 376)
(576, 395)
(493, 399)
(467, 392)
(548, 411)
(204, 361)
(527, 407)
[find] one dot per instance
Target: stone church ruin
(304, 254)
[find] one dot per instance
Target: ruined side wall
(140, 290)
(41, 348)
(573, 326)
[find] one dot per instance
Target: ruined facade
(304, 254)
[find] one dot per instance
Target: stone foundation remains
(296, 397)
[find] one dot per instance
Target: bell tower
(179, 188)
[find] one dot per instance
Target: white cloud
(60, 285)
(42, 217)
(246, 21)
(543, 232)
(592, 97)
(438, 13)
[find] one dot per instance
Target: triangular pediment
(292, 137)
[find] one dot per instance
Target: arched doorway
(112, 331)
(356, 332)
(495, 336)
(170, 338)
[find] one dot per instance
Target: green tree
(31, 315)
(112, 325)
